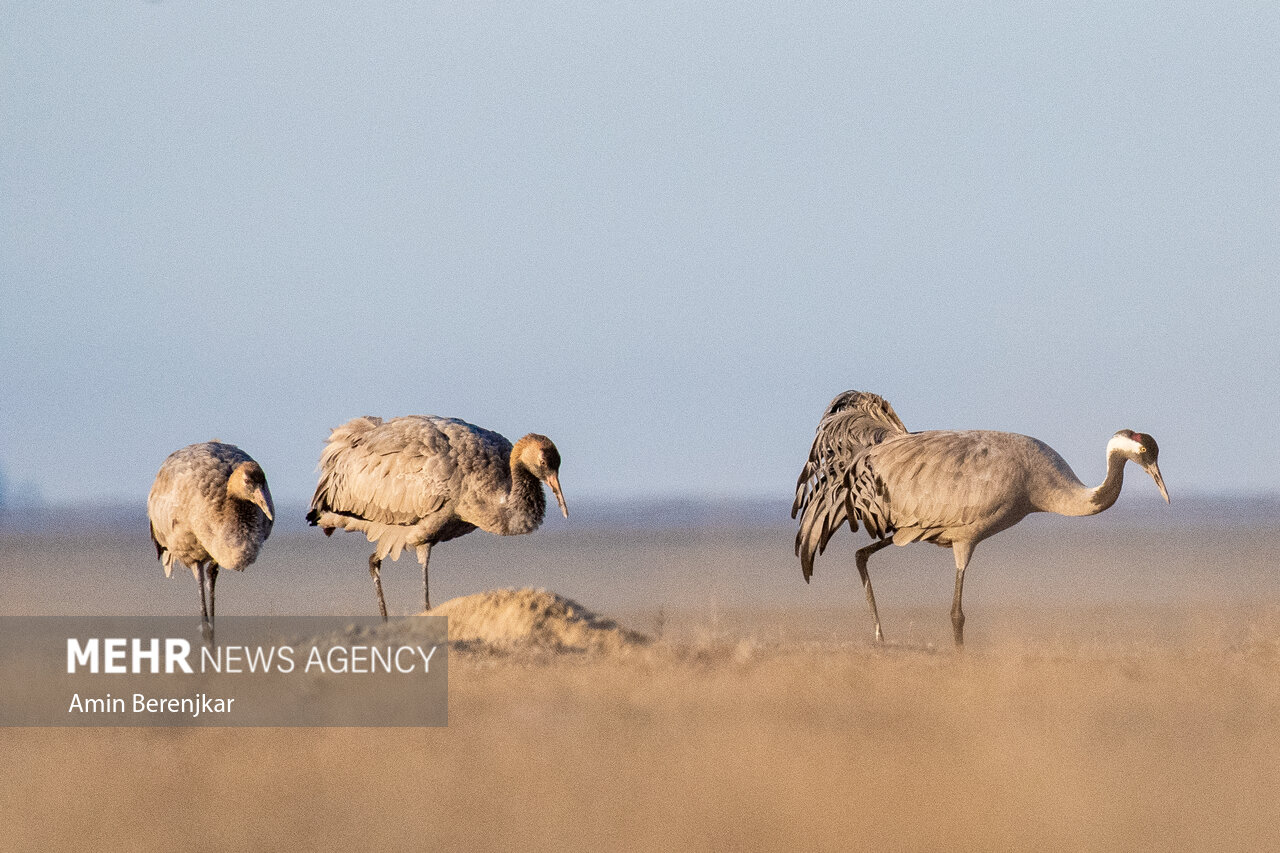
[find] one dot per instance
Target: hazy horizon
(676, 511)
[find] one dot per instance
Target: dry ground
(1121, 691)
(712, 743)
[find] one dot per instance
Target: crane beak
(262, 498)
(553, 480)
(1154, 470)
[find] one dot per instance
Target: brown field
(1124, 694)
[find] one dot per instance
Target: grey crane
(414, 481)
(952, 488)
(209, 508)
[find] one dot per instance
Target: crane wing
(400, 471)
(938, 485)
(852, 423)
(395, 472)
(161, 512)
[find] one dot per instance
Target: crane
(952, 488)
(415, 481)
(209, 508)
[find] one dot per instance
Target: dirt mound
(504, 621)
(510, 619)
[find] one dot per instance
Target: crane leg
(213, 616)
(963, 551)
(861, 559)
(424, 554)
(206, 627)
(375, 572)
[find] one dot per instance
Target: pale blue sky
(663, 234)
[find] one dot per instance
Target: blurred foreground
(1120, 690)
(1058, 744)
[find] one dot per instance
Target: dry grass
(1046, 745)
(1121, 706)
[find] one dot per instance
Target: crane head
(540, 456)
(1142, 449)
(248, 483)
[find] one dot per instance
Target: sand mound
(509, 619)
(506, 620)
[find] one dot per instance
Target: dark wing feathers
(867, 498)
(852, 423)
(936, 486)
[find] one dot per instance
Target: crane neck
(237, 534)
(525, 505)
(1108, 493)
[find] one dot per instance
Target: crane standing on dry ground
(209, 508)
(414, 481)
(952, 488)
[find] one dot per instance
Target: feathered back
(855, 421)
(402, 479)
(193, 516)
(392, 472)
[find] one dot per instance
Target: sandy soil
(1061, 744)
(1101, 724)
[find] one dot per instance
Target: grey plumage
(952, 488)
(853, 422)
(209, 508)
(414, 481)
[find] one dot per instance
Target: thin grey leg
(424, 555)
(375, 572)
(861, 559)
(213, 608)
(206, 627)
(963, 551)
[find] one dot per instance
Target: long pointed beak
(262, 498)
(553, 480)
(1154, 470)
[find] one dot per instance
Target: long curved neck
(525, 503)
(1106, 494)
(1086, 501)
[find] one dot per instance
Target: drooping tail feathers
(341, 439)
(854, 421)
(375, 491)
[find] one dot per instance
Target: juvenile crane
(414, 481)
(952, 488)
(209, 508)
